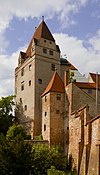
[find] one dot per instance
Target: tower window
(45, 113)
(30, 67)
(16, 90)
(22, 72)
(44, 127)
(44, 50)
(22, 87)
(44, 41)
(50, 42)
(45, 98)
(16, 78)
(30, 83)
(58, 96)
(57, 111)
(53, 67)
(25, 107)
(20, 100)
(39, 81)
(89, 91)
(51, 52)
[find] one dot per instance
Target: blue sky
(75, 25)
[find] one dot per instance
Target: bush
(17, 132)
(53, 171)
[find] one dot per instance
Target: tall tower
(34, 71)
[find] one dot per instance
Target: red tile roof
(55, 85)
(84, 85)
(93, 76)
(41, 32)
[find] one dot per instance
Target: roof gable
(55, 85)
(41, 32)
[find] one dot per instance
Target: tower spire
(42, 18)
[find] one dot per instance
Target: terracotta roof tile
(41, 32)
(85, 85)
(55, 85)
(93, 76)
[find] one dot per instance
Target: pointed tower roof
(55, 85)
(41, 32)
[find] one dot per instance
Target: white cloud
(26, 8)
(7, 68)
(86, 59)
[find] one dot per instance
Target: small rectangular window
(57, 111)
(30, 83)
(45, 114)
(89, 91)
(39, 81)
(45, 98)
(25, 107)
(44, 127)
(53, 67)
(22, 87)
(20, 100)
(51, 52)
(30, 67)
(16, 77)
(22, 72)
(44, 50)
(58, 96)
(15, 90)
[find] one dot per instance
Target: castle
(55, 100)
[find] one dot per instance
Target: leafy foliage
(19, 157)
(53, 171)
(17, 132)
(44, 158)
(15, 157)
(6, 113)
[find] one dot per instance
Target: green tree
(15, 157)
(6, 113)
(44, 157)
(53, 171)
(17, 132)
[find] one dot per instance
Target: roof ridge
(55, 85)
